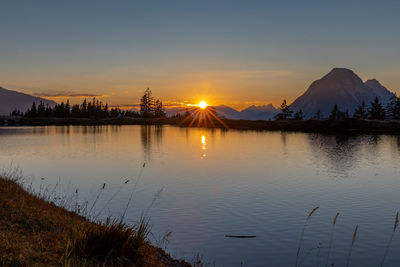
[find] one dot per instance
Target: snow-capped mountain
(11, 100)
(342, 87)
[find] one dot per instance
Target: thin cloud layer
(64, 95)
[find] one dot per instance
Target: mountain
(11, 100)
(266, 112)
(342, 87)
(227, 112)
(379, 89)
(223, 111)
(175, 110)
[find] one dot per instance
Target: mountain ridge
(341, 86)
(11, 100)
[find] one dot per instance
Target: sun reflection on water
(203, 146)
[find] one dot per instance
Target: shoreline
(309, 126)
(36, 232)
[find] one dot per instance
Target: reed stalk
(133, 191)
(111, 199)
(352, 245)
(331, 239)
(155, 198)
(76, 201)
(302, 234)
(396, 222)
(97, 197)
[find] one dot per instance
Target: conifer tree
(376, 111)
(285, 112)
(41, 109)
(158, 109)
(76, 111)
(334, 112)
(48, 110)
(393, 108)
(84, 107)
(67, 109)
(33, 111)
(299, 115)
(16, 112)
(361, 111)
(147, 104)
(318, 114)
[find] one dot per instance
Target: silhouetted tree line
(186, 114)
(149, 107)
(375, 111)
(87, 109)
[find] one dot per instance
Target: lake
(215, 182)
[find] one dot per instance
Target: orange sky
(238, 89)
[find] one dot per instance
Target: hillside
(11, 100)
(35, 232)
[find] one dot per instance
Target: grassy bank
(35, 232)
(327, 126)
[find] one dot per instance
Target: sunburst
(203, 115)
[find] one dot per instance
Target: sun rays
(203, 115)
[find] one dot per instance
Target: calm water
(229, 182)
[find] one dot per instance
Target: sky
(236, 53)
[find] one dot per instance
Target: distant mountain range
(11, 100)
(342, 87)
(266, 112)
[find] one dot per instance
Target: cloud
(128, 106)
(65, 95)
(166, 104)
(257, 103)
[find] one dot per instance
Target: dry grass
(112, 243)
(34, 232)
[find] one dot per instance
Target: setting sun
(202, 105)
